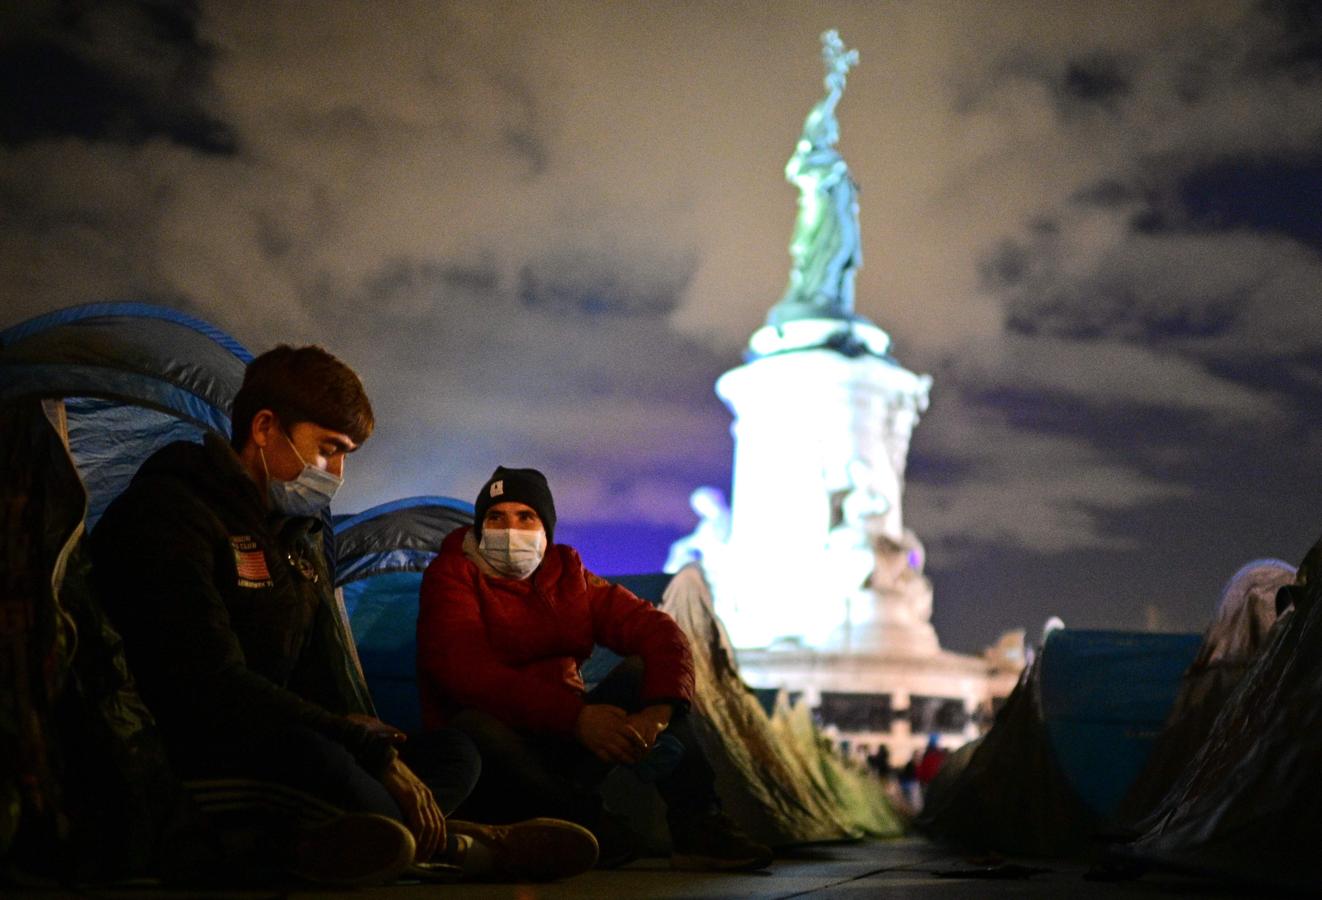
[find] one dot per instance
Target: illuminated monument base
(869, 700)
(819, 584)
(817, 554)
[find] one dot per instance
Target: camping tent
(1069, 740)
(85, 395)
(380, 557)
(1238, 631)
(131, 377)
(1249, 803)
(773, 773)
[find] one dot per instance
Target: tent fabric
(383, 614)
(1105, 698)
(381, 554)
(1249, 803)
(768, 778)
(132, 352)
(1243, 619)
(1065, 746)
(1005, 791)
(134, 377)
(109, 441)
(400, 536)
(87, 793)
(139, 311)
(860, 795)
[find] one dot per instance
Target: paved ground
(897, 869)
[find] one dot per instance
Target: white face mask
(307, 494)
(513, 553)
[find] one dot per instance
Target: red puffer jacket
(512, 648)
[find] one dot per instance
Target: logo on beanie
(497, 488)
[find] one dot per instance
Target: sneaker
(534, 850)
(352, 850)
(714, 843)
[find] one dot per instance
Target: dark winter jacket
(513, 648)
(228, 613)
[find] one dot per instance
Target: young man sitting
(506, 618)
(211, 566)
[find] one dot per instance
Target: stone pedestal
(821, 438)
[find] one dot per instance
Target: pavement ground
(902, 868)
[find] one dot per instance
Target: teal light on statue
(825, 247)
(817, 309)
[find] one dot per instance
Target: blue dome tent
(132, 378)
(1071, 738)
(380, 557)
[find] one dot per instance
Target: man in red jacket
(506, 618)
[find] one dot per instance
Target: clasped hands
(616, 736)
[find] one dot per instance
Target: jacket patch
(250, 562)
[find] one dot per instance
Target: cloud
(1210, 294)
(542, 230)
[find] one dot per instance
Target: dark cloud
(1111, 306)
(1097, 81)
(1300, 50)
(580, 284)
(122, 72)
(433, 281)
(1293, 376)
(1105, 192)
(1278, 196)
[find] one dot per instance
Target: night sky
(541, 230)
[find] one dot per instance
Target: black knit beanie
(516, 486)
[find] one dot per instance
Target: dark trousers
(527, 774)
(303, 759)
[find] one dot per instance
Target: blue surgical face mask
(307, 494)
(512, 552)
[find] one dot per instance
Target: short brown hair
(302, 384)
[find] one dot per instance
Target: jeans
(527, 774)
(298, 757)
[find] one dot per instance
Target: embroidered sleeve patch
(250, 562)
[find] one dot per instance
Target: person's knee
(309, 761)
(622, 686)
(464, 758)
(448, 761)
(305, 753)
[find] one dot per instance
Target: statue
(708, 539)
(863, 511)
(825, 247)
(897, 578)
